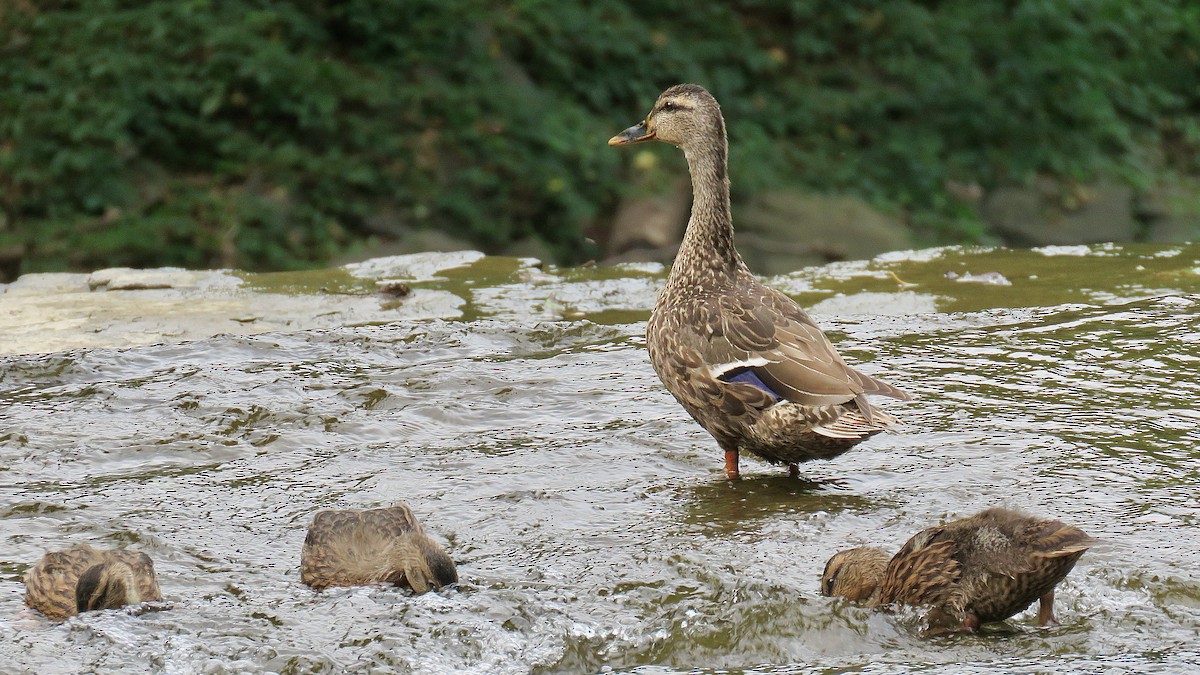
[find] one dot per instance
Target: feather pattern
(984, 568)
(351, 547)
(51, 585)
(789, 389)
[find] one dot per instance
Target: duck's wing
(50, 584)
(765, 332)
(1009, 544)
(391, 522)
(143, 573)
(926, 571)
(698, 369)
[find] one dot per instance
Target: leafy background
(266, 134)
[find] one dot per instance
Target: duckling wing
(926, 571)
(768, 333)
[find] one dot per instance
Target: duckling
(351, 548)
(83, 579)
(744, 360)
(972, 571)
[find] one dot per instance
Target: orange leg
(731, 464)
(1046, 610)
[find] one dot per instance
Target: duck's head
(426, 565)
(854, 574)
(441, 567)
(682, 114)
(108, 585)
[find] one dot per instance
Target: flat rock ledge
(124, 307)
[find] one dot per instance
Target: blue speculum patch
(747, 376)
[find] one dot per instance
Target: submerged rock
(990, 278)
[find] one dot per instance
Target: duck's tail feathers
(1063, 541)
(857, 424)
(871, 385)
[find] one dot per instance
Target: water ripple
(590, 517)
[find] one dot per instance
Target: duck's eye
(829, 580)
(668, 106)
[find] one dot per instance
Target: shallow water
(589, 516)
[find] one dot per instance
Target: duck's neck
(707, 246)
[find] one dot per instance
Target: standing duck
(82, 579)
(352, 548)
(972, 571)
(743, 359)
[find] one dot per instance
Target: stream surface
(514, 409)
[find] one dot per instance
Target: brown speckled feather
(924, 572)
(794, 359)
(50, 584)
(989, 566)
(713, 320)
(350, 547)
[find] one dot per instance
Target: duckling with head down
(743, 359)
(351, 548)
(972, 571)
(82, 579)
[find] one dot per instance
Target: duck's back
(348, 548)
(50, 584)
(1010, 560)
(993, 564)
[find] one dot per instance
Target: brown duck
(352, 548)
(972, 571)
(743, 359)
(82, 579)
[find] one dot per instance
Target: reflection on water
(589, 515)
(721, 508)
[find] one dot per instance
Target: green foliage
(267, 134)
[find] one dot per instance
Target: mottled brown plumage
(351, 548)
(714, 322)
(972, 571)
(81, 579)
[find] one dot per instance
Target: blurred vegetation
(266, 134)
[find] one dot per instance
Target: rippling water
(590, 517)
